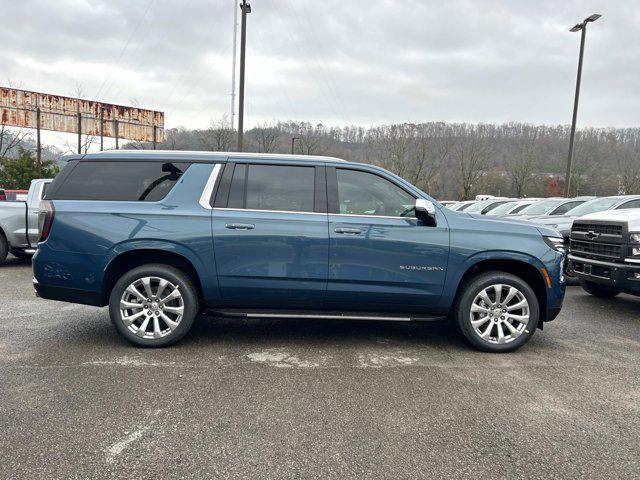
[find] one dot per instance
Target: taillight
(45, 219)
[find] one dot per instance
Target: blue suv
(162, 236)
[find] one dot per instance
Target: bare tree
(267, 137)
(471, 153)
(219, 137)
(524, 161)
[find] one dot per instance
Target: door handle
(348, 231)
(239, 226)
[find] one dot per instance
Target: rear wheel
(497, 312)
(153, 305)
(4, 248)
(597, 290)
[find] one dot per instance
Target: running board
(329, 315)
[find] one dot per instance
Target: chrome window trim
(372, 216)
(205, 198)
(269, 211)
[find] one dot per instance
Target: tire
(156, 325)
(4, 248)
(486, 328)
(20, 254)
(597, 290)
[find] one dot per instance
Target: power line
(124, 48)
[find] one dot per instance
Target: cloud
(335, 62)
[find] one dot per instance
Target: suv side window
(364, 193)
(630, 204)
(564, 208)
(124, 181)
(273, 187)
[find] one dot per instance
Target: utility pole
(246, 8)
(233, 65)
(293, 142)
(582, 27)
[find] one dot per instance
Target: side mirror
(426, 210)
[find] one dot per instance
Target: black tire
(179, 281)
(462, 315)
(4, 248)
(597, 290)
(20, 254)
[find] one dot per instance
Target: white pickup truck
(604, 252)
(19, 223)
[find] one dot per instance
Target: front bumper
(617, 275)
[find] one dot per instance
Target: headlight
(635, 251)
(634, 237)
(556, 243)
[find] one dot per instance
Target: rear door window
(120, 180)
(280, 187)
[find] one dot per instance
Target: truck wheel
(4, 248)
(497, 312)
(153, 305)
(597, 290)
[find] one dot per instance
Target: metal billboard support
(101, 129)
(38, 144)
(79, 133)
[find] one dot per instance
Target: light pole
(580, 27)
(246, 8)
(293, 142)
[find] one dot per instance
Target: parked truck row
(19, 221)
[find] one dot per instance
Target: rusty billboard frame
(43, 111)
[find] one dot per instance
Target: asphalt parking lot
(312, 399)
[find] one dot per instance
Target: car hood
(506, 222)
(630, 215)
(562, 223)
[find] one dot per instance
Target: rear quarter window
(119, 180)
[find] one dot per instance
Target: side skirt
(323, 315)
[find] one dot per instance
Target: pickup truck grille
(599, 240)
(592, 248)
(600, 228)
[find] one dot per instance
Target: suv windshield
(502, 209)
(478, 207)
(592, 206)
(540, 208)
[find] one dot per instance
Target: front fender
(457, 269)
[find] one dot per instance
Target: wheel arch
(521, 268)
(131, 259)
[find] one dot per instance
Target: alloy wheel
(151, 307)
(499, 313)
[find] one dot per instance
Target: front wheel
(497, 312)
(597, 290)
(153, 305)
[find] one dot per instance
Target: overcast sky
(334, 61)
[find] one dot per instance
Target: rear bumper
(617, 275)
(64, 294)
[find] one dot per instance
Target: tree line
(448, 160)
(451, 160)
